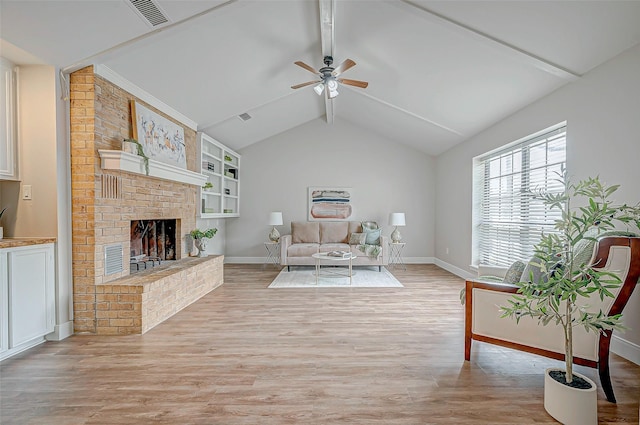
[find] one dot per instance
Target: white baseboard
(61, 332)
(462, 273)
(626, 349)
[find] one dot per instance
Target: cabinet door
(31, 293)
(4, 303)
(8, 146)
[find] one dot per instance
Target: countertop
(17, 242)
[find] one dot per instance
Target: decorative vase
(568, 405)
(1, 232)
(201, 244)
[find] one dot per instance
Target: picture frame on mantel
(329, 203)
(161, 139)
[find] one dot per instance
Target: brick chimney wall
(100, 117)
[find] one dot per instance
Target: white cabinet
(27, 296)
(8, 139)
(220, 197)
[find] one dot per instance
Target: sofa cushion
(302, 249)
(355, 227)
(305, 232)
(357, 238)
(334, 231)
(328, 247)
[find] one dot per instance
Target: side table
(273, 253)
(395, 254)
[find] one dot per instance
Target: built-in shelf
(125, 161)
(221, 165)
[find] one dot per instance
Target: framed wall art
(161, 139)
(330, 203)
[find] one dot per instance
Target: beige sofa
(310, 237)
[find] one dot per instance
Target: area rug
(304, 277)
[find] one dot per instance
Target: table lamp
(275, 219)
(396, 219)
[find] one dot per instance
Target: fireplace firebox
(152, 241)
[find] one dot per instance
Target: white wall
(602, 111)
(385, 177)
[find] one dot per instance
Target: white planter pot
(570, 406)
(1, 232)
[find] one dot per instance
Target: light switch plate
(26, 192)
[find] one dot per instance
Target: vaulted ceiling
(438, 71)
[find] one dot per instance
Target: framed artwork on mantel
(161, 139)
(330, 203)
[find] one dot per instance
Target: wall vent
(111, 187)
(244, 117)
(150, 12)
(112, 259)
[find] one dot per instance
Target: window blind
(508, 222)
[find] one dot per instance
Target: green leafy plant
(198, 234)
(227, 158)
(141, 153)
(208, 185)
(566, 276)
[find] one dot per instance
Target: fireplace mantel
(125, 161)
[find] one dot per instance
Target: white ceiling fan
(330, 77)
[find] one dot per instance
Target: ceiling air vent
(150, 12)
(244, 117)
(112, 259)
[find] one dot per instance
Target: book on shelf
(339, 254)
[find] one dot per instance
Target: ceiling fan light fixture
(332, 88)
(319, 88)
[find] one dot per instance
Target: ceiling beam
(328, 40)
(520, 54)
(406, 111)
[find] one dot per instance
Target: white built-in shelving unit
(221, 165)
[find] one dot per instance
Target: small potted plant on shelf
(208, 186)
(136, 148)
(200, 238)
(566, 277)
(227, 158)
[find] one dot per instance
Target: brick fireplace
(105, 202)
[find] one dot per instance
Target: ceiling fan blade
(305, 66)
(308, 83)
(348, 63)
(361, 84)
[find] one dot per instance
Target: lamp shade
(275, 218)
(396, 219)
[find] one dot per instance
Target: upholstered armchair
(483, 321)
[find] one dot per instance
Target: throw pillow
(372, 236)
(514, 273)
(357, 238)
(369, 225)
(533, 270)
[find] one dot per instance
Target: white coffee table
(322, 256)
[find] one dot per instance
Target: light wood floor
(245, 354)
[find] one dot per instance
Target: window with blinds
(508, 222)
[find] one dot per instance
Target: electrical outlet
(26, 192)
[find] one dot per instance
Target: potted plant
(137, 149)
(1, 228)
(208, 186)
(566, 277)
(200, 238)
